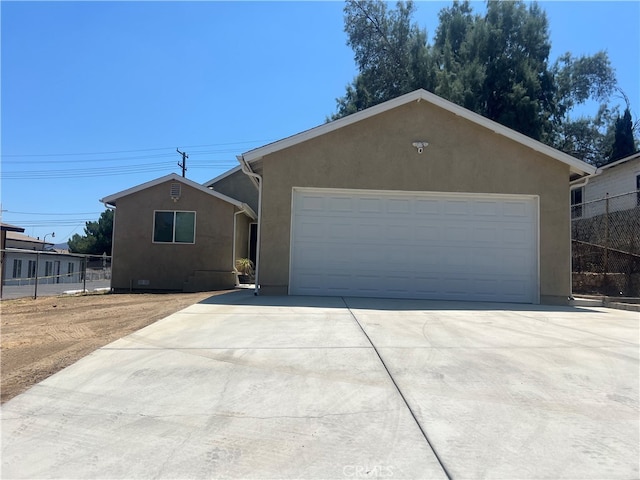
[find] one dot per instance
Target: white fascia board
(112, 199)
(633, 156)
(576, 166)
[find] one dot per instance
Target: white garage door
(414, 245)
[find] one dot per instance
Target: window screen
(576, 202)
(174, 227)
(163, 227)
(185, 227)
(17, 268)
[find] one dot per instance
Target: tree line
(495, 64)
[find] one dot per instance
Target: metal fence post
(606, 236)
(35, 289)
(84, 275)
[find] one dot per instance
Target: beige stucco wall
(169, 266)
(239, 187)
(377, 153)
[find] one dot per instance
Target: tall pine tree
(623, 144)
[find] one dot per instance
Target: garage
(425, 245)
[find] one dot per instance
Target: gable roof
(112, 199)
(222, 176)
(7, 227)
(633, 156)
(21, 237)
(576, 166)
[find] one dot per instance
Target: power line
(53, 214)
(85, 160)
(130, 151)
(21, 161)
(106, 171)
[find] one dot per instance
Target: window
(174, 227)
(48, 269)
(576, 202)
(70, 268)
(638, 189)
(17, 268)
(31, 270)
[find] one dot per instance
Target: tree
(588, 138)
(496, 65)
(623, 144)
(97, 236)
(389, 50)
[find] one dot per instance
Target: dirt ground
(40, 337)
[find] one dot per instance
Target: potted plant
(244, 267)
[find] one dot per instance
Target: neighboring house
(414, 198)
(174, 234)
(27, 258)
(25, 242)
(5, 228)
(619, 181)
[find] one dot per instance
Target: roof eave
(575, 165)
(112, 199)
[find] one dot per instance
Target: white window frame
(173, 241)
(31, 269)
(17, 268)
(577, 209)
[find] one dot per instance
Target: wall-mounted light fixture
(420, 146)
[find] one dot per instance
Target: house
(173, 234)
(414, 198)
(5, 228)
(605, 229)
(27, 259)
(619, 181)
(235, 184)
(25, 242)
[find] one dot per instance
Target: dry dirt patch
(40, 337)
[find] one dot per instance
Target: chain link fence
(605, 240)
(27, 273)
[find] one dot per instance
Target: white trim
(415, 193)
(536, 293)
(173, 241)
(112, 199)
(256, 179)
(633, 156)
(576, 166)
(291, 229)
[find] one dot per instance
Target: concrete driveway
(298, 387)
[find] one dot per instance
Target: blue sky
(97, 96)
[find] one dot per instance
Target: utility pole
(183, 165)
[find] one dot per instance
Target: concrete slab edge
(630, 304)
